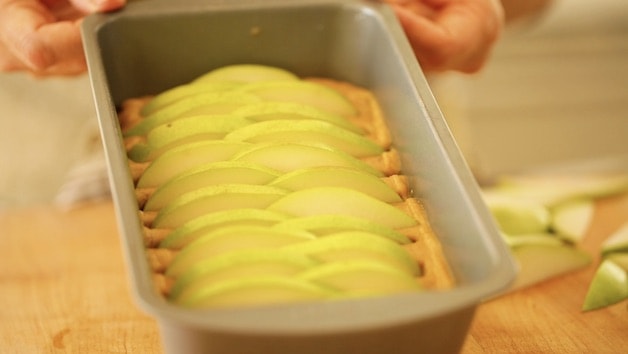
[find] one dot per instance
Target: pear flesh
(302, 92)
(216, 198)
(358, 245)
(286, 157)
(203, 103)
(617, 241)
(352, 263)
(229, 239)
(236, 265)
(195, 228)
(609, 285)
(222, 172)
(256, 291)
(309, 132)
(323, 222)
(186, 130)
(361, 278)
(543, 257)
(264, 191)
(246, 73)
(515, 217)
(337, 177)
(342, 201)
(187, 157)
(571, 220)
(175, 94)
(326, 224)
(610, 282)
(265, 111)
(545, 244)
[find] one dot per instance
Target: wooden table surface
(63, 289)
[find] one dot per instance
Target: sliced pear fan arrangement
(259, 187)
(545, 218)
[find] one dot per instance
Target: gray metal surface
(154, 45)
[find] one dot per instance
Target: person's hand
(451, 34)
(43, 36)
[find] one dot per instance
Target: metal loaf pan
(153, 45)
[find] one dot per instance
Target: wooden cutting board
(64, 289)
(546, 318)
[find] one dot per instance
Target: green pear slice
(205, 223)
(619, 258)
(186, 130)
(303, 92)
(257, 291)
(203, 103)
(238, 264)
(288, 157)
(342, 201)
(215, 198)
(541, 257)
(337, 177)
(518, 216)
(550, 190)
(265, 111)
(222, 172)
(617, 241)
(572, 219)
(358, 245)
(185, 157)
(230, 239)
(246, 73)
(309, 132)
(323, 225)
(177, 93)
(361, 278)
(609, 285)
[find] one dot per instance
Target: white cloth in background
(87, 179)
(47, 139)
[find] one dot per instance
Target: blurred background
(554, 92)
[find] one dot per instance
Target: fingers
(473, 27)
(419, 8)
(8, 62)
(427, 40)
(92, 6)
(43, 37)
(456, 35)
(19, 21)
(62, 42)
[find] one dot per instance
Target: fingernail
(107, 5)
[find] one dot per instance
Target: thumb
(91, 6)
